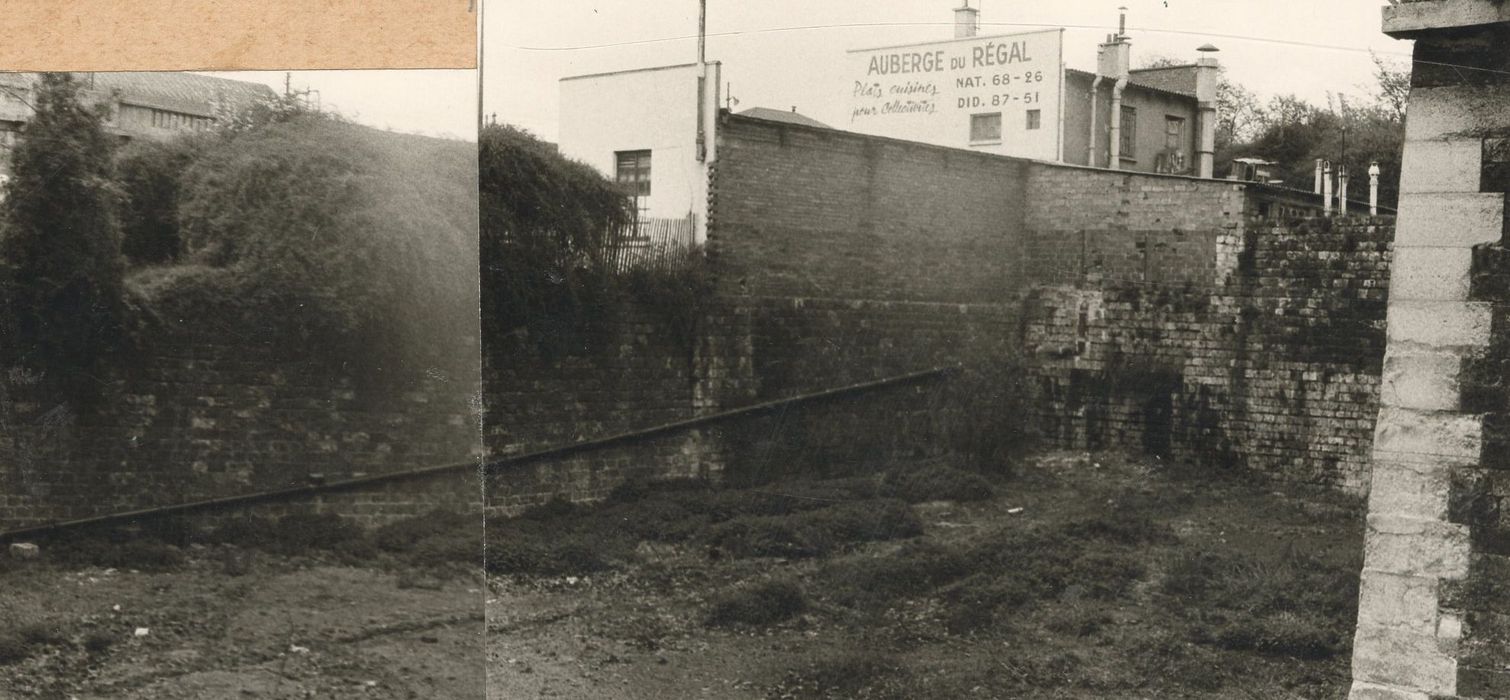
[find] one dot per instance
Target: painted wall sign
(1000, 94)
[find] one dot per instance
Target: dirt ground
(271, 627)
(640, 631)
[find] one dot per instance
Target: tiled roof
(776, 115)
(1133, 84)
(187, 93)
(1178, 79)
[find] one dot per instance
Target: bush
(987, 412)
(314, 231)
(148, 174)
(764, 603)
(815, 532)
(98, 641)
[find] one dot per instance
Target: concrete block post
(1434, 572)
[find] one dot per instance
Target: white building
(652, 129)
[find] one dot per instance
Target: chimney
(1207, 75)
(966, 21)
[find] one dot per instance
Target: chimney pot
(966, 21)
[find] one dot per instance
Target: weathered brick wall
(745, 350)
(193, 417)
(1100, 227)
(808, 212)
(626, 372)
(1217, 343)
(799, 346)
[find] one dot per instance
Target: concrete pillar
(1436, 573)
(1326, 188)
(1316, 182)
(1342, 190)
(1373, 188)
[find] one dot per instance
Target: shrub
(320, 232)
(148, 173)
(816, 532)
(300, 533)
(98, 641)
(913, 569)
(987, 413)
(764, 603)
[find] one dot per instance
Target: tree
(1393, 87)
(60, 247)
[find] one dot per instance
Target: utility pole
(702, 79)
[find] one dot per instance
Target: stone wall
(198, 416)
(1166, 319)
(1434, 600)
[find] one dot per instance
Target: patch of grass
(1296, 605)
(816, 532)
(98, 641)
(13, 650)
(764, 603)
(569, 554)
(432, 540)
(28, 640)
(854, 674)
(913, 569)
(83, 549)
(935, 482)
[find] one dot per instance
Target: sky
(790, 53)
(439, 103)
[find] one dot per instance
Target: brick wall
(626, 372)
(1107, 228)
(808, 212)
(1166, 321)
(199, 416)
(746, 350)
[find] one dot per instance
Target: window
(633, 170)
(985, 127)
(1174, 132)
(1035, 118)
(1129, 134)
(164, 119)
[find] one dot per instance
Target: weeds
(1296, 605)
(764, 603)
(935, 482)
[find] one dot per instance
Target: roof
(187, 93)
(1131, 83)
(1177, 79)
(776, 115)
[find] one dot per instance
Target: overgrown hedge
(311, 231)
